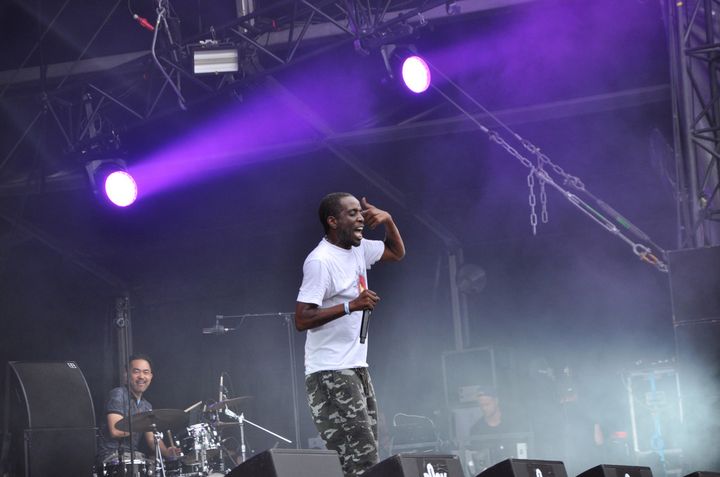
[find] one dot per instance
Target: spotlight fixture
(402, 62)
(111, 182)
(211, 57)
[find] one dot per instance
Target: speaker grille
(290, 463)
(417, 465)
(56, 395)
(526, 468)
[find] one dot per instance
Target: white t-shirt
(331, 276)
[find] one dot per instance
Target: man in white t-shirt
(329, 306)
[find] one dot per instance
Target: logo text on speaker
(431, 472)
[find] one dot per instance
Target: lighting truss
(694, 37)
(132, 88)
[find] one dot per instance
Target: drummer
(113, 443)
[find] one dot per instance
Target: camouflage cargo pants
(345, 413)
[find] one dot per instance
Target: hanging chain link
(642, 251)
(568, 179)
(532, 201)
(543, 196)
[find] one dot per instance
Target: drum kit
(203, 453)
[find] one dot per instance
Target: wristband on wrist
(346, 307)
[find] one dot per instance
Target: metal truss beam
(694, 37)
(132, 88)
(403, 131)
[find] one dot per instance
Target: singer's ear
(332, 222)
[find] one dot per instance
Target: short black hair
(330, 206)
(142, 356)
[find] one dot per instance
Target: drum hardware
(150, 421)
(241, 420)
(203, 453)
(140, 466)
(220, 328)
(227, 402)
(153, 421)
(223, 406)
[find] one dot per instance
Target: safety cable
(540, 171)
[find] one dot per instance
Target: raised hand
(372, 215)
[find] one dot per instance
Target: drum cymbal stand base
(241, 419)
(159, 464)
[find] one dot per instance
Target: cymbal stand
(289, 319)
(159, 464)
(220, 454)
(241, 419)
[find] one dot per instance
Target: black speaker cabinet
(417, 465)
(59, 452)
(526, 468)
(617, 471)
(694, 284)
(50, 419)
(55, 395)
(290, 463)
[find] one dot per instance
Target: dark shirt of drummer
(117, 403)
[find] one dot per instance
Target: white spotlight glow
(416, 74)
(120, 188)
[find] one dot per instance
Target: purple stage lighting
(416, 74)
(120, 188)
(111, 183)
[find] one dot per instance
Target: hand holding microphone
(366, 302)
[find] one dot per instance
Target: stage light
(416, 74)
(120, 188)
(111, 182)
(403, 63)
(211, 57)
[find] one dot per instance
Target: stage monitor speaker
(617, 471)
(290, 463)
(694, 284)
(704, 474)
(59, 452)
(55, 395)
(417, 465)
(526, 468)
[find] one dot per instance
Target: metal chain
(640, 250)
(543, 197)
(544, 178)
(532, 201)
(496, 138)
(543, 159)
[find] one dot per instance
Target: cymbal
(158, 419)
(227, 402)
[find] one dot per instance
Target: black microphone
(366, 313)
(364, 325)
